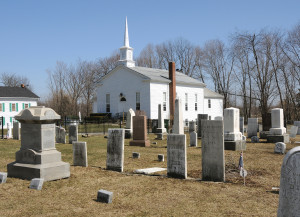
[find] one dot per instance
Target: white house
(13, 100)
(140, 88)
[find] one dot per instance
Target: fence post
(2, 127)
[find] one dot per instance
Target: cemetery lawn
(145, 195)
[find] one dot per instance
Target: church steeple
(126, 52)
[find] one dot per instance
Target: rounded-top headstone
(37, 114)
(280, 148)
(254, 139)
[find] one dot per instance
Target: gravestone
(280, 148)
(3, 177)
(115, 150)
(289, 197)
(252, 127)
(36, 183)
(9, 133)
(176, 156)
(148, 171)
(104, 196)
(159, 136)
(254, 139)
(242, 125)
(278, 131)
(267, 122)
(73, 133)
(232, 135)
(38, 157)
(16, 130)
(161, 123)
(161, 158)
(213, 159)
(218, 118)
(80, 154)
(135, 155)
(129, 123)
(199, 118)
(294, 130)
(297, 123)
(140, 132)
(192, 126)
(178, 118)
(61, 137)
(193, 139)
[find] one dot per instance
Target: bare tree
(13, 80)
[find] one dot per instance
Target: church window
(196, 102)
(209, 103)
(186, 102)
(107, 102)
(164, 101)
(138, 103)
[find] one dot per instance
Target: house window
(209, 103)
(196, 102)
(1, 107)
(13, 107)
(164, 101)
(186, 102)
(138, 102)
(26, 105)
(107, 102)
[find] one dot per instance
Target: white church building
(140, 88)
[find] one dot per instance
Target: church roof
(161, 75)
(211, 94)
(14, 92)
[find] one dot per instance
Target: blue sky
(35, 34)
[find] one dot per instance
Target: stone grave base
(238, 145)
(128, 134)
(285, 138)
(161, 130)
(142, 143)
(159, 136)
(264, 134)
(49, 172)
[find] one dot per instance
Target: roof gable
(16, 92)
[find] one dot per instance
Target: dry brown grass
(141, 195)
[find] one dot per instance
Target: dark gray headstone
(36, 183)
(193, 139)
(254, 139)
(199, 118)
(289, 197)
(80, 154)
(104, 196)
(176, 155)
(213, 159)
(115, 150)
(242, 125)
(135, 155)
(73, 133)
(161, 158)
(16, 130)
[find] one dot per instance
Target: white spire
(126, 52)
(126, 37)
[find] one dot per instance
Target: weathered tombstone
(3, 177)
(297, 123)
(242, 125)
(178, 118)
(252, 127)
(129, 123)
(8, 135)
(115, 150)
(36, 183)
(294, 130)
(38, 157)
(280, 148)
(254, 139)
(289, 197)
(161, 121)
(73, 133)
(267, 122)
(16, 130)
(199, 118)
(192, 126)
(140, 132)
(278, 131)
(193, 139)
(161, 158)
(232, 135)
(176, 155)
(61, 136)
(80, 154)
(104, 196)
(213, 159)
(135, 155)
(159, 136)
